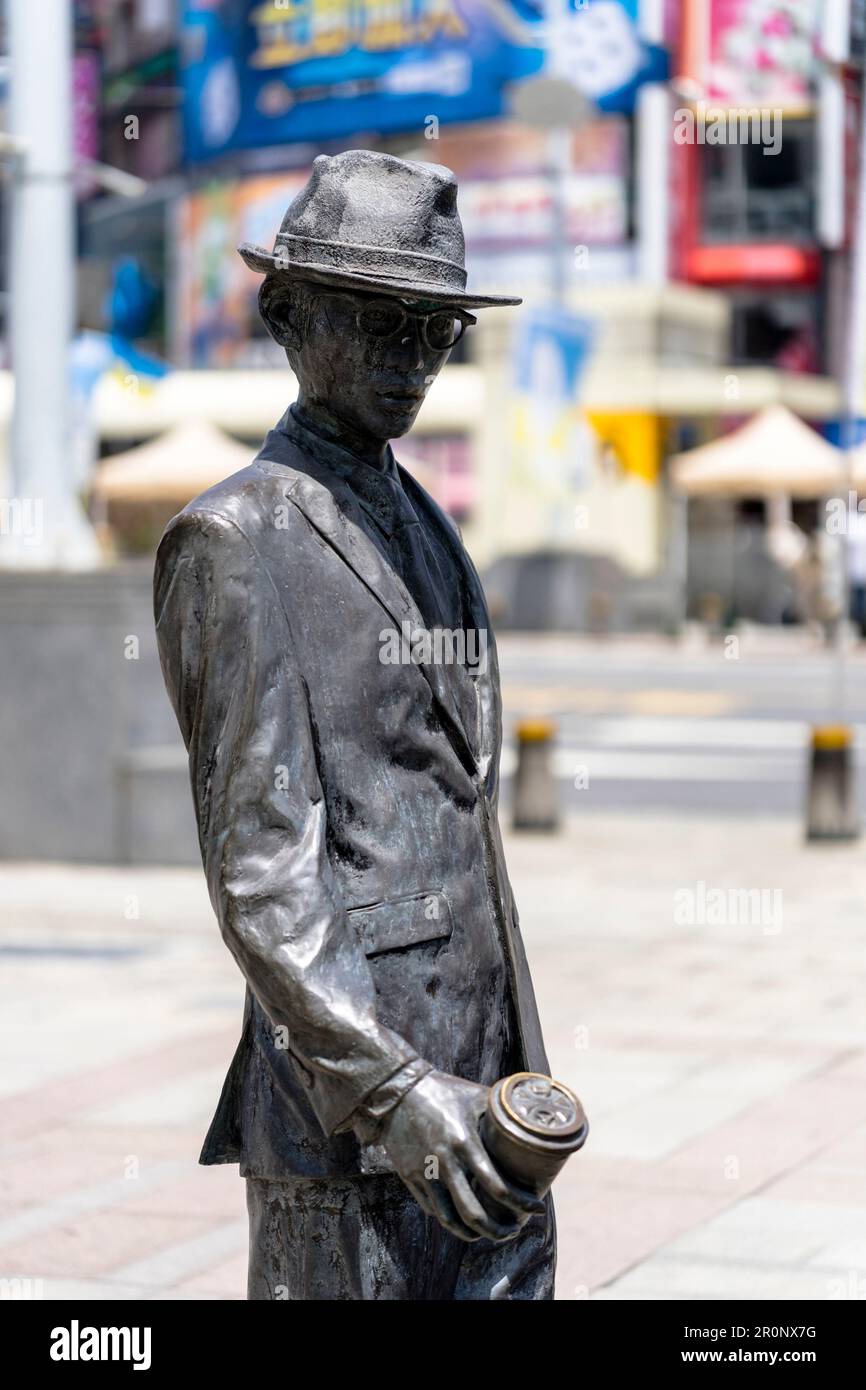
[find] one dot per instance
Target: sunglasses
(383, 318)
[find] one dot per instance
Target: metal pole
(652, 172)
(44, 526)
(654, 143)
(558, 160)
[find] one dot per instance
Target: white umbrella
(175, 467)
(773, 453)
(189, 459)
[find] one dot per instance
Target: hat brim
(265, 263)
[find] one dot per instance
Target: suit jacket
(346, 809)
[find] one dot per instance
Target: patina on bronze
(346, 797)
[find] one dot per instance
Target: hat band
(349, 257)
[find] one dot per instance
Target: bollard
(536, 803)
(832, 808)
(711, 612)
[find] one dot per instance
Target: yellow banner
(635, 440)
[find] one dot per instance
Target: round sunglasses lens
(443, 330)
(381, 319)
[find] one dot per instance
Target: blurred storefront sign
(506, 201)
(764, 264)
(505, 149)
(520, 212)
(762, 52)
(258, 74)
(750, 213)
(214, 292)
(528, 269)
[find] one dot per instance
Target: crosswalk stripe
(630, 766)
(760, 734)
(647, 749)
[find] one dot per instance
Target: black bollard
(536, 802)
(832, 808)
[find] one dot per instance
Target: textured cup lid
(541, 1105)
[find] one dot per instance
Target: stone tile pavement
(702, 987)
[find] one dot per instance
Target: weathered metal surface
(346, 790)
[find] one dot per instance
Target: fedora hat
(369, 221)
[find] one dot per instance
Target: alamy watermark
(715, 125)
(21, 1288)
(840, 512)
(703, 906)
(77, 1343)
(22, 517)
(435, 646)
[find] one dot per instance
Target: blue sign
(258, 74)
(845, 433)
(547, 428)
(548, 333)
(598, 47)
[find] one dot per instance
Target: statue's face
(370, 360)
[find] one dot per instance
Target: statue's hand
(432, 1137)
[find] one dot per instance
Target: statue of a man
(344, 767)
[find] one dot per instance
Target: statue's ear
(280, 310)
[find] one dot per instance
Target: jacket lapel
(331, 508)
(486, 682)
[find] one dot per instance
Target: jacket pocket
(406, 921)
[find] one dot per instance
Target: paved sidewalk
(722, 1063)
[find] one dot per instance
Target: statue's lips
(404, 396)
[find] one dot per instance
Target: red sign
(768, 264)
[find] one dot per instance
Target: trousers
(367, 1238)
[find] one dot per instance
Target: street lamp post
(43, 523)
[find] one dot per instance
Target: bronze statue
(345, 777)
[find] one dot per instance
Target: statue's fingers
(499, 1188)
(472, 1212)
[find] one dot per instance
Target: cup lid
(541, 1105)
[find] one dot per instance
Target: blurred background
(657, 463)
(663, 441)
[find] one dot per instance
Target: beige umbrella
(773, 453)
(174, 468)
(189, 459)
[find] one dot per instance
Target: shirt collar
(373, 487)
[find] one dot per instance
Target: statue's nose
(410, 339)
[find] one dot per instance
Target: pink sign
(762, 52)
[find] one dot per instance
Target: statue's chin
(396, 417)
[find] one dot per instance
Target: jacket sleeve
(228, 663)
